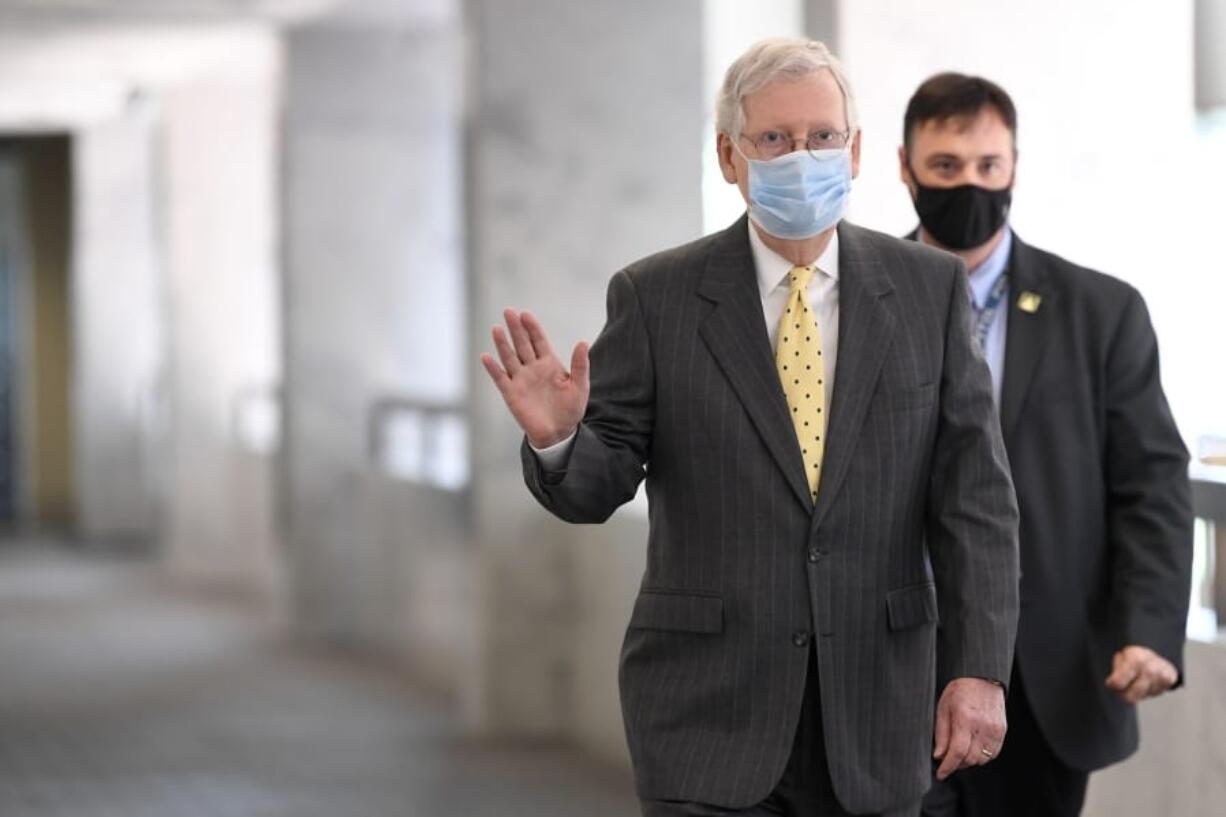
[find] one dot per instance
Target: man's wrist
(554, 457)
(549, 443)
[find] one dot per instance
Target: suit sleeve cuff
(554, 458)
(1164, 639)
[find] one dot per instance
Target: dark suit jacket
(1101, 477)
(915, 514)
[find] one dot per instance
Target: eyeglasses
(772, 144)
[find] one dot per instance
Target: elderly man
(825, 477)
(1100, 469)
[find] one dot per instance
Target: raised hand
(546, 400)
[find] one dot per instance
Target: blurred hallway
(250, 251)
(122, 697)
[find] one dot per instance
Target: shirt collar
(773, 268)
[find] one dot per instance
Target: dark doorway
(36, 475)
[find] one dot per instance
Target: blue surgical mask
(799, 194)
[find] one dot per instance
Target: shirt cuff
(554, 457)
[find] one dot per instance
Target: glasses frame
(847, 136)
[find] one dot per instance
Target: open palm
(546, 400)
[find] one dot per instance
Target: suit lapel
(866, 327)
(735, 332)
(1027, 331)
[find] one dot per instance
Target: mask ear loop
(735, 140)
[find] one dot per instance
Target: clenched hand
(1139, 672)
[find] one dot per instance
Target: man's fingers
(1137, 690)
(497, 374)
(519, 336)
(955, 755)
(962, 741)
(506, 353)
(1122, 674)
(1136, 679)
(958, 743)
(940, 734)
(579, 366)
(1138, 673)
(1162, 675)
(536, 334)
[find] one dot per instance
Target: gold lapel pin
(1029, 302)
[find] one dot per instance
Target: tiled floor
(121, 699)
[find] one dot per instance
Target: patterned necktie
(798, 356)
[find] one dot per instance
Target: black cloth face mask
(962, 217)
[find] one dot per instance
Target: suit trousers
(1025, 780)
(804, 790)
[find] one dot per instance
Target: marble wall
(116, 326)
(375, 315)
(217, 184)
(584, 155)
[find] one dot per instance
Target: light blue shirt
(982, 279)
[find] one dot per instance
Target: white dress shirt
(772, 275)
(823, 293)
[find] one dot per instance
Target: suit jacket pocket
(678, 611)
(905, 399)
(911, 606)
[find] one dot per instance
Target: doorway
(36, 461)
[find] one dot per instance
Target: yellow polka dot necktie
(798, 356)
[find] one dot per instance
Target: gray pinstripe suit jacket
(915, 518)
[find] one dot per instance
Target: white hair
(771, 60)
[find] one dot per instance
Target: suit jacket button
(814, 555)
(800, 638)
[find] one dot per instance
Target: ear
(904, 169)
(724, 150)
(855, 153)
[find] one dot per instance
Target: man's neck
(802, 252)
(975, 255)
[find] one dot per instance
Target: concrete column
(222, 306)
(585, 154)
(821, 22)
(374, 321)
(1209, 23)
(116, 326)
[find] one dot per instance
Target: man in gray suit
(825, 477)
